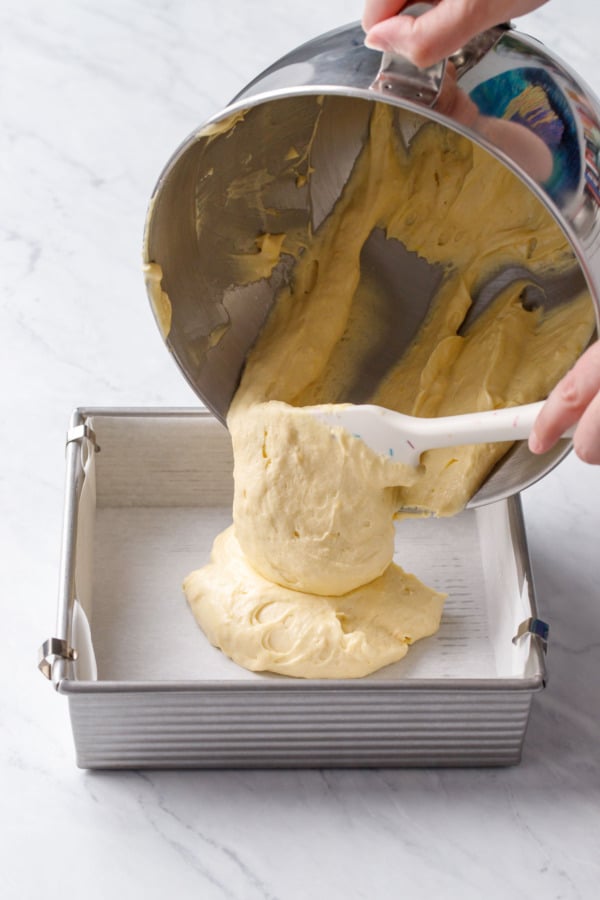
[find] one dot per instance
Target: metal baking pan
(146, 492)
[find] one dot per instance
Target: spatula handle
(510, 424)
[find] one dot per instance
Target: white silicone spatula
(405, 438)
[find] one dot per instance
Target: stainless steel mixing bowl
(230, 181)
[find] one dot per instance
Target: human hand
(440, 31)
(574, 399)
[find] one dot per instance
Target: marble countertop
(95, 97)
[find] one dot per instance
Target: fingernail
(535, 445)
(374, 42)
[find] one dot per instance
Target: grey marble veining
(94, 96)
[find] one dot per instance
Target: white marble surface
(95, 94)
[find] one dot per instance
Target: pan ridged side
(232, 729)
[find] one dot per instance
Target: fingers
(434, 35)
(440, 31)
(575, 399)
(378, 10)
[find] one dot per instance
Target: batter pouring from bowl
(304, 583)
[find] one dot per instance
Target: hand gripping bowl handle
(399, 77)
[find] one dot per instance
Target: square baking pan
(146, 493)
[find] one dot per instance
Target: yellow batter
(263, 626)
(314, 507)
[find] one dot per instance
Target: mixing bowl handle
(399, 77)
